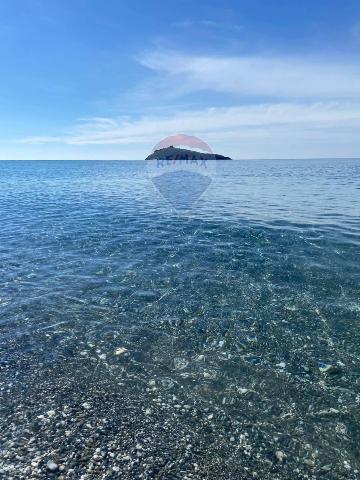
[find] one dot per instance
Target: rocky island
(176, 153)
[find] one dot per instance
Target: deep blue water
(239, 316)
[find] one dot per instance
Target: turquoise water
(141, 341)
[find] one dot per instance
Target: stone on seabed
(52, 466)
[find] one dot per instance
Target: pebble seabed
(139, 344)
(100, 411)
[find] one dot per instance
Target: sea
(145, 339)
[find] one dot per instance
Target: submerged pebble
(120, 351)
(52, 466)
(280, 456)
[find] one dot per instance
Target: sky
(95, 79)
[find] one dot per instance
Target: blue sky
(109, 79)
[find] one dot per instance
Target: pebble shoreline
(76, 420)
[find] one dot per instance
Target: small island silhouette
(176, 153)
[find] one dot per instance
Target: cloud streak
(312, 108)
(211, 24)
(281, 77)
(104, 131)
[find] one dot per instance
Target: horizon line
(143, 160)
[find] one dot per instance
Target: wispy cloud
(206, 23)
(311, 108)
(355, 30)
(280, 77)
(208, 122)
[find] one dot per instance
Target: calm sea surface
(141, 341)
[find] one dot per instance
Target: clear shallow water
(240, 320)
